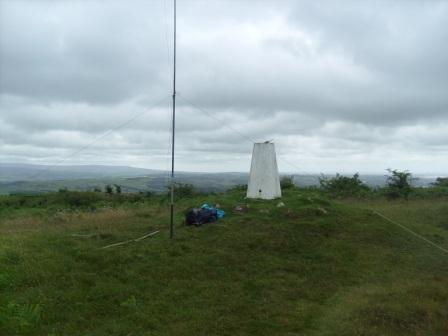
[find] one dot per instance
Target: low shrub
(182, 190)
(287, 182)
(441, 182)
(74, 199)
(239, 187)
(344, 186)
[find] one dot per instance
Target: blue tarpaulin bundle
(202, 215)
(219, 213)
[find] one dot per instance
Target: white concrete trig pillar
(264, 180)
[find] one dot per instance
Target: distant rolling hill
(10, 172)
(28, 178)
(155, 183)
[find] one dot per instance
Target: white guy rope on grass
(410, 231)
(130, 240)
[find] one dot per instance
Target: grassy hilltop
(312, 267)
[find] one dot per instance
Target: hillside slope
(210, 182)
(12, 172)
(313, 267)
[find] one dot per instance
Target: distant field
(312, 267)
(206, 182)
(156, 183)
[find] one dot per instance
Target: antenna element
(173, 129)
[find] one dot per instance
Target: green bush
(76, 199)
(182, 190)
(146, 193)
(108, 189)
(441, 182)
(287, 182)
(239, 187)
(429, 193)
(344, 186)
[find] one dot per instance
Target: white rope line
(130, 240)
(411, 232)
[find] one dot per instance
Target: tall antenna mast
(173, 129)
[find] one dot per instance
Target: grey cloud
(81, 51)
(337, 85)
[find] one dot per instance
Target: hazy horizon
(61, 166)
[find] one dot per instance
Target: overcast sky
(341, 86)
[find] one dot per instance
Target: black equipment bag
(200, 216)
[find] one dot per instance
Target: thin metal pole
(173, 131)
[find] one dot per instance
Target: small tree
(399, 183)
(287, 182)
(117, 189)
(109, 189)
(343, 186)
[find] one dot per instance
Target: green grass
(313, 267)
